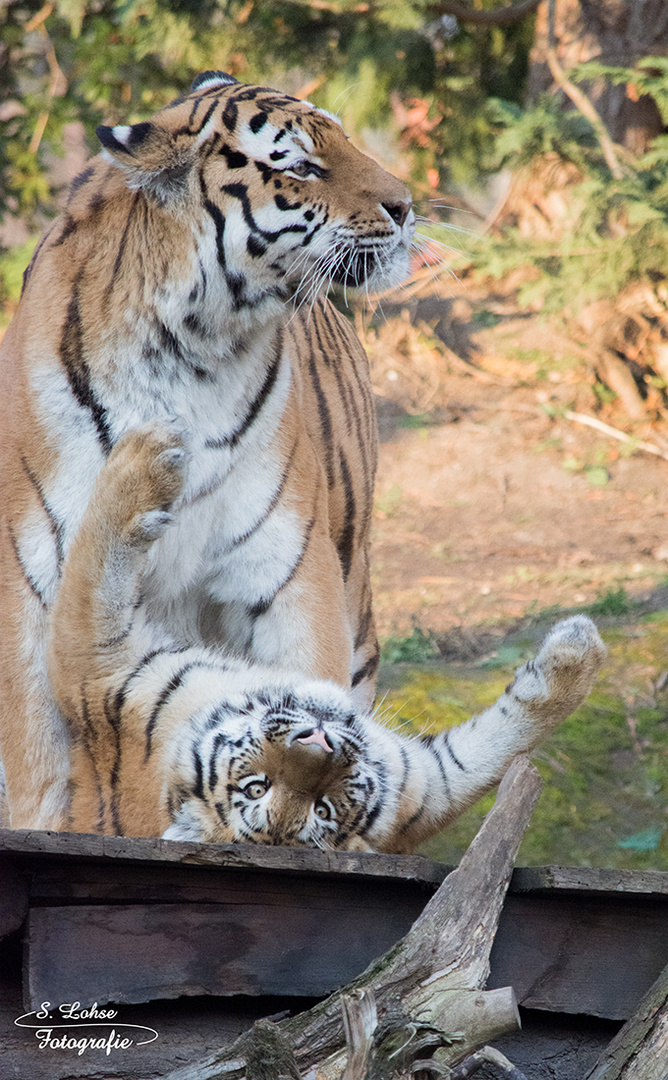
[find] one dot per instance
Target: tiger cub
(193, 744)
(181, 285)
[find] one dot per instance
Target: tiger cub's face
(283, 767)
(283, 196)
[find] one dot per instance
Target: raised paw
(563, 673)
(141, 480)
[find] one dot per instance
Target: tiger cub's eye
(322, 810)
(256, 789)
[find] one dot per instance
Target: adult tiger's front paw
(562, 675)
(142, 479)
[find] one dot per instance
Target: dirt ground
(490, 503)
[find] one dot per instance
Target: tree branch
(504, 16)
(584, 105)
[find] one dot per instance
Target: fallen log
(433, 977)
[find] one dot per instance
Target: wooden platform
(245, 930)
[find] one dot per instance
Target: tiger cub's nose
(315, 737)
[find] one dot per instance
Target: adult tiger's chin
(351, 265)
(374, 270)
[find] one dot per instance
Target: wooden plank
(593, 956)
(573, 954)
(136, 953)
(13, 897)
(528, 879)
(548, 1046)
(247, 856)
(55, 885)
(68, 846)
(187, 1029)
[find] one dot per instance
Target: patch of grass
(605, 768)
(409, 650)
(597, 475)
(417, 420)
(612, 602)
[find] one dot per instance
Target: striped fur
(180, 290)
(181, 285)
(191, 744)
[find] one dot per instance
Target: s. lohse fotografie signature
(55, 1027)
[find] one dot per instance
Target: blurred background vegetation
(535, 139)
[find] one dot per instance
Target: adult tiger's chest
(234, 538)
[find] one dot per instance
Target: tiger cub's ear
(150, 156)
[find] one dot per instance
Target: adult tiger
(165, 291)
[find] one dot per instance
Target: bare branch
(584, 105)
(486, 1056)
(504, 16)
(639, 1051)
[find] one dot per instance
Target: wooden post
(438, 969)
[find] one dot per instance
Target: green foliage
(617, 231)
(12, 265)
(612, 602)
(411, 650)
(120, 60)
(649, 76)
(546, 128)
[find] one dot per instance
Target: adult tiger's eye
(301, 168)
(256, 789)
(322, 810)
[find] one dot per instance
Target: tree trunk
(618, 32)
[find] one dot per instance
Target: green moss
(605, 799)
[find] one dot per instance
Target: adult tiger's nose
(398, 211)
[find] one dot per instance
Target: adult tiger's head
(284, 766)
(284, 198)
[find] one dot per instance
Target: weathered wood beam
(639, 1051)
(13, 898)
(438, 969)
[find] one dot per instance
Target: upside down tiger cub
(193, 745)
(190, 648)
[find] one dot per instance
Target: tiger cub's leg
(442, 775)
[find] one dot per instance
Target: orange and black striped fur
(171, 314)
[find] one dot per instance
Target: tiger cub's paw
(145, 474)
(553, 685)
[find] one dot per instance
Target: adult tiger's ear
(152, 159)
(208, 80)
